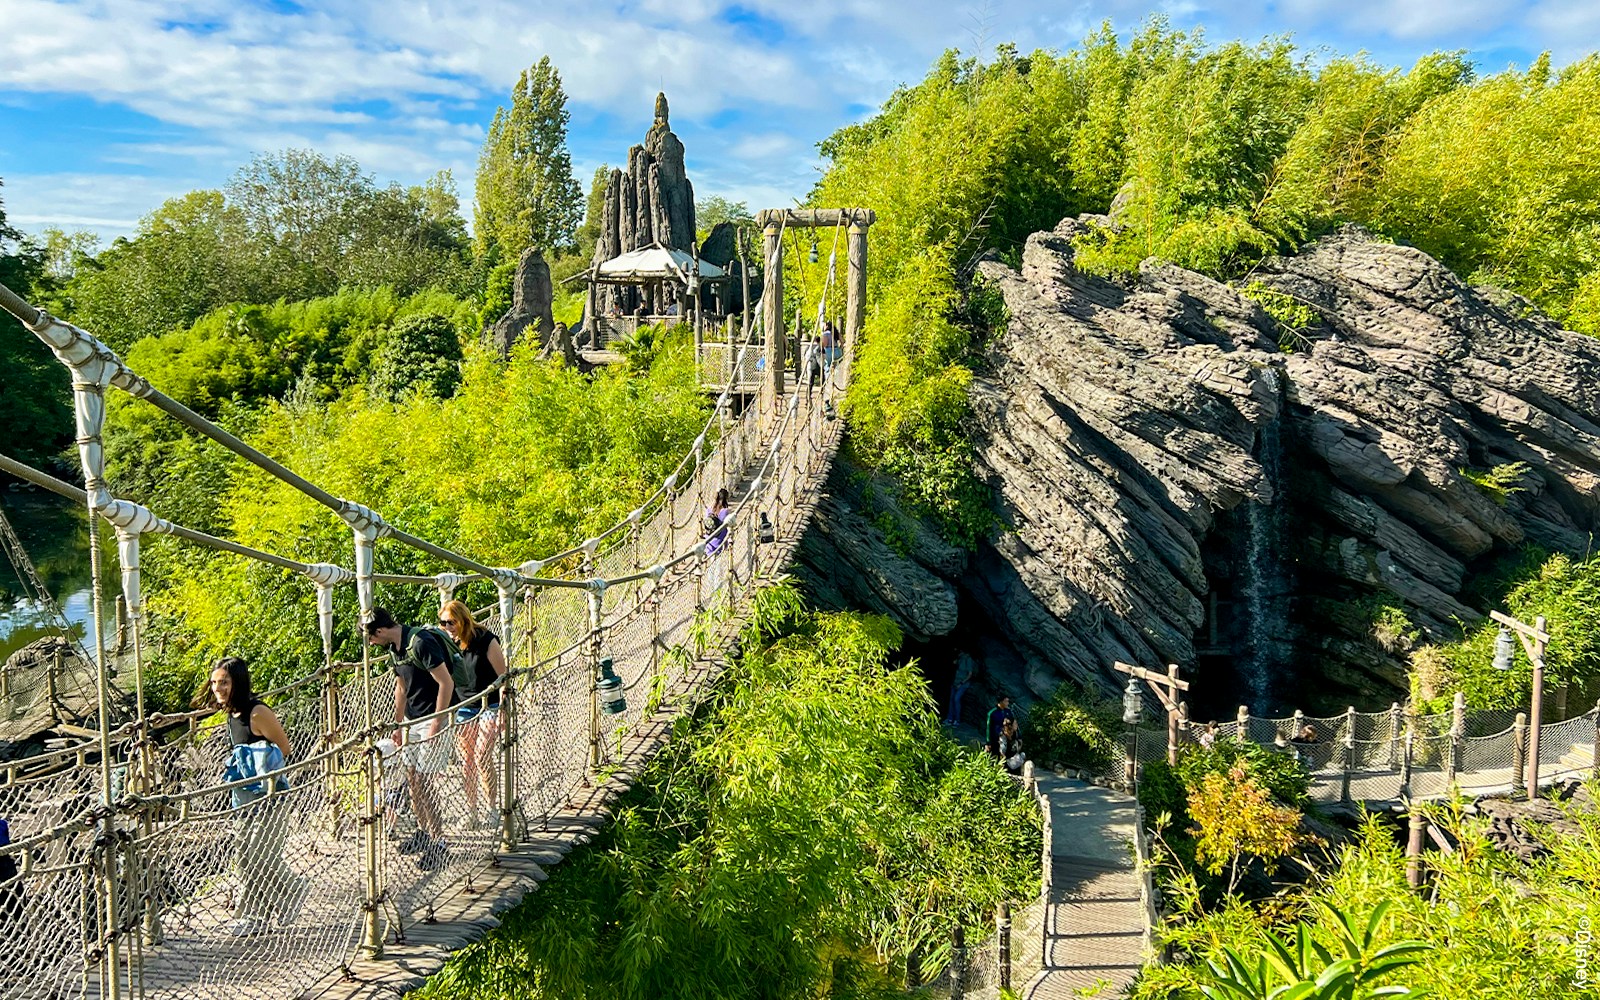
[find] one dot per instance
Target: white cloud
(1412, 20)
(1570, 29)
(402, 86)
(109, 204)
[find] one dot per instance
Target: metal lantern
(764, 530)
(608, 690)
(1504, 648)
(1132, 703)
(812, 256)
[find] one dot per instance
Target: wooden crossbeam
(815, 218)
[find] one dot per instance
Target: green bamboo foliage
(810, 829)
(1487, 926)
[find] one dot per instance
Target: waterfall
(1263, 578)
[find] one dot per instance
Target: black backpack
(445, 648)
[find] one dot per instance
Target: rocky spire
(651, 201)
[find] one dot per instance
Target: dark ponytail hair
(238, 672)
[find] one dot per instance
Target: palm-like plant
(1303, 969)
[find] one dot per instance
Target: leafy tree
(301, 207)
(189, 256)
(35, 394)
(291, 226)
(526, 457)
(1533, 583)
(715, 209)
(1068, 728)
(1205, 134)
(526, 192)
(229, 366)
(317, 224)
(1235, 817)
(1500, 181)
(594, 208)
(422, 353)
(63, 251)
(1306, 970)
(1498, 928)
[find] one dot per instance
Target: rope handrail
(132, 884)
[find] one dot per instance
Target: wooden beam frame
(1166, 687)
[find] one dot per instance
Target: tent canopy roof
(655, 263)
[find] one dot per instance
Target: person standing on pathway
(716, 529)
(423, 687)
(478, 721)
(997, 720)
(966, 666)
(267, 886)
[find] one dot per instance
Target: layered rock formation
(652, 201)
(1177, 488)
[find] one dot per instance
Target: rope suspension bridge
(131, 864)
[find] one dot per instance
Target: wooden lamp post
(1534, 640)
(1166, 687)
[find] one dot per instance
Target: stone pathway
(1096, 926)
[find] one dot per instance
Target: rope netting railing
(142, 873)
(1393, 755)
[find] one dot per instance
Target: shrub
(1069, 729)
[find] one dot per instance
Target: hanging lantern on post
(608, 690)
(764, 530)
(1132, 704)
(812, 256)
(1505, 647)
(1132, 711)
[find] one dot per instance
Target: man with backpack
(428, 672)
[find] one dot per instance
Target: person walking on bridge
(260, 745)
(827, 340)
(423, 688)
(477, 719)
(716, 529)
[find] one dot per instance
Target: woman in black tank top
(268, 887)
(478, 719)
(249, 719)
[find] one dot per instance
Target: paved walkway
(1096, 925)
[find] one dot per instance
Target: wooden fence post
(958, 961)
(1407, 749)
(1003, 944)
(1349, 752)
(1594, 748)
(1396, 727)
(51, 678)
(1519, 756)
(1458, 728)
(1418, 824)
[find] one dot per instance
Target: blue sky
(108, 107)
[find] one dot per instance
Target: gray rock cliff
(1175, 488)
